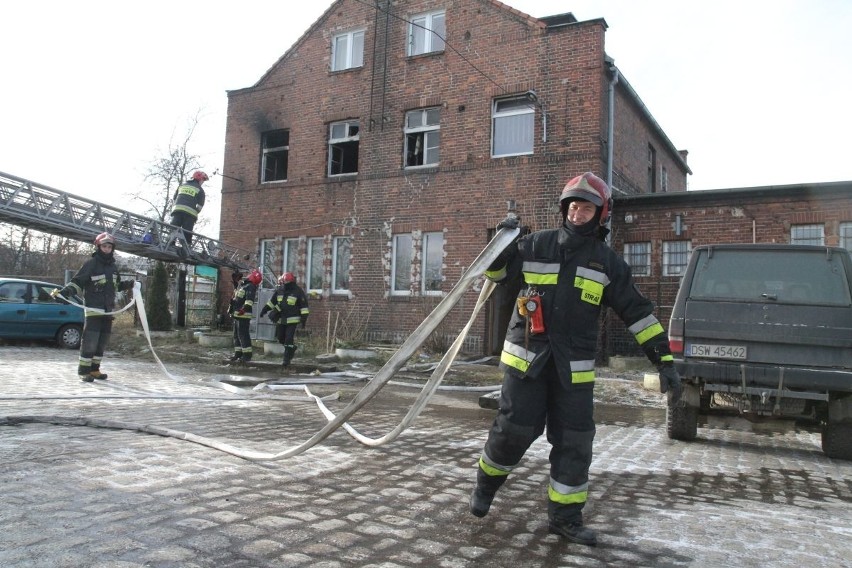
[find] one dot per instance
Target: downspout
(610, 138)
(610, 135)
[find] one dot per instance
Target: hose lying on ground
(500, 241)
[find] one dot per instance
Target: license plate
(716, 351)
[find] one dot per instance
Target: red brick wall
(466, 196)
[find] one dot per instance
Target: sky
(93, 91)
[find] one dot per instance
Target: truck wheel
(837, 440)
(682, 421)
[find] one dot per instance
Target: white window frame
(845, 231)
(635, 251)
(290, 260)
(432, 26)
(341, 245)
(670, 267)
(431, 136)
(521, 107)
(406, 268)
(268, 253)
(284, 150)
(810, 234)
(311, 268)
(429, 241)
(351, 133)
(352, 57)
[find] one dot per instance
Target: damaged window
(343, 140)
(276, 150)
(433, 263)
(403, 252)
(422, 137)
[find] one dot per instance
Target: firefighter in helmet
(287, 308)
(97, 282)
(241, 311)
(567, 276)
(189, 200)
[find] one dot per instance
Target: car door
(13, 309)
(45, 315)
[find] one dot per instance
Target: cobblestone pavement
(84, 496)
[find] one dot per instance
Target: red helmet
(255, 277)
(591, 188)
(104, 239)
(286, 278)
(200, 176)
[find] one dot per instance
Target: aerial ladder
(43, 208)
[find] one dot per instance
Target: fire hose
(473, 273)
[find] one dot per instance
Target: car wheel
(682, 421)
(69, 336)
(837, 440)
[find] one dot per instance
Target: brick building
(655, 233)
(377, 154)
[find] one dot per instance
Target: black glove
(264, 310)
(670, 381)
(274, 316)
(511, 221)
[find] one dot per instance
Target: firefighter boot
(483, 493)
(96, 373)
(289, 350)
(574, 531)
(567, 521)
(85, 373)
(235, 357)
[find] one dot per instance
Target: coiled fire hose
(500, 241)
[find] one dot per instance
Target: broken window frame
(512, 127)
(347, 50)
(343, 148)
(426, 33)
(275, 148)
(422, 141)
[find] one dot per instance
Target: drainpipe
(610, 135)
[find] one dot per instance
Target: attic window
(347, 51)
(426, 33)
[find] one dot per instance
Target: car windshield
(795, 277)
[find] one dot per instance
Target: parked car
(766, 331)
(28, 311)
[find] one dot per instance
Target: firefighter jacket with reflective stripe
(98, 281)
(575, 277)
(189, 198)
(291, 303)
(244, 297)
